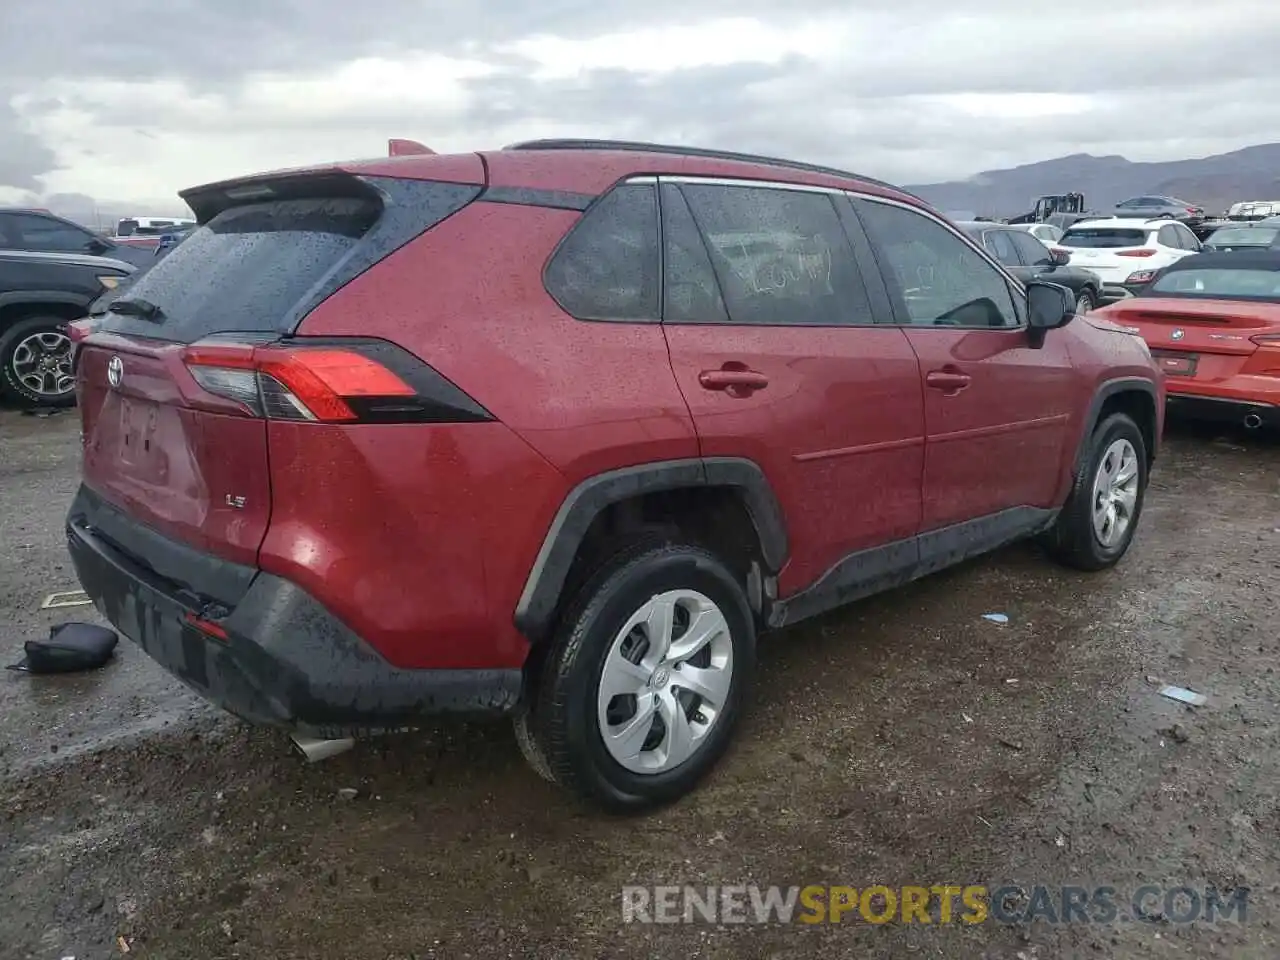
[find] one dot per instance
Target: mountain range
(1214, 183)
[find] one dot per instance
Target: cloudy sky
(131, 100)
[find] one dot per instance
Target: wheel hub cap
(665, 681)
(41, 362)
(1115, 493)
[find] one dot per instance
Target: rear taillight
(1135, 253)
(329, 381)
(1267, 340)
(1140, 276)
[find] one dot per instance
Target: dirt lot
(905, 741)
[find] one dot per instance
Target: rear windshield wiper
(136, 307)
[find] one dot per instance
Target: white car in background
(1046, 233)
(1126, 253)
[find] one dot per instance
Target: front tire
(1101, 514)
(35, 363)
(1085, 302)
(645, 677)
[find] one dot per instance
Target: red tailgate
(196, 475)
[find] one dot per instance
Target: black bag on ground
(71, 647)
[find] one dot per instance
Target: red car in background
(1212, 322)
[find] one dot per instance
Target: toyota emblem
(115, 371)
(1177, 334)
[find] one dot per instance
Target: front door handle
(737, 382)
(950, 381)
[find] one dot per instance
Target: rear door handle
(734, 382)
(949, 380)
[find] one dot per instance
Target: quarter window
(780, 256)
(607, 267)
(942, 280)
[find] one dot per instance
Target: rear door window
(606, 268)
(1033, 252)
(1000, 245)
(692, 292)
(780, 255)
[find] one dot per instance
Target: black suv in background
(39, 294)
(1029, 259)
(42, 232)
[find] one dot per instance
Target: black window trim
(876, 281)
(1018, 289)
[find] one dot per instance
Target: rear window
(249, 266)
(1218, 283)
(1102, 237)
(1256, 237)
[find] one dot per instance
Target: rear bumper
(285, 660)
(1204, 407)
(1115, 292)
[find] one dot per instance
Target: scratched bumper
(285, 660)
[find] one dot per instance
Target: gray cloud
(874, 112)
(23, 157)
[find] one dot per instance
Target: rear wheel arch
(724, 503)
(23, 304)
(1134, 396)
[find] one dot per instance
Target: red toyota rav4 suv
(555, 430)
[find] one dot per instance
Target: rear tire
(1101, 514)
(669, 628)
(35, 363)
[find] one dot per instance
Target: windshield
(1256, 237)
(1103, 237)
(1219, 283)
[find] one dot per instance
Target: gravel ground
(904, 741)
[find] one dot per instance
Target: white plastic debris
(996, 617)
(66, 598)
(1183, 695)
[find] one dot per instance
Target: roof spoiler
(407, 148)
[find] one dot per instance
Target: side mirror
(1059, 258)
(1049, 306)
(98, 245)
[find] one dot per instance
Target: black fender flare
(584, 503)
(38, 298)
(1108, 389)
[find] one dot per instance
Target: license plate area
(137, 448)
(1176, 364)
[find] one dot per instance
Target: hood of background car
(73, 259)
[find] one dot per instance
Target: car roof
(574, 166)
(1238, 260)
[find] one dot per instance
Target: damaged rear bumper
(273, 655)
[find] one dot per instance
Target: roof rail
(642, 147)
